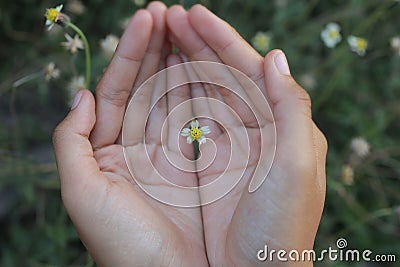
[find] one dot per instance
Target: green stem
(87, 51)
(196, 149)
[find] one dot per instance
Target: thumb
(74, 154)
(291, 107)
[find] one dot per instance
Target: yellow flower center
(333, 34)
(195, 133)
(52, 14)
(362, 44)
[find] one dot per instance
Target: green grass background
(352, 96)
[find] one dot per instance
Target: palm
(134, 211)
(291, 198)
(119, 223)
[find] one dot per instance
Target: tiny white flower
(76, 7)
(51, 71)
(53, 16)
(261, 41)
(347, 174)
(73, 44)
(109, 45)
(139, 2)
(77, 83)
(330, 35)
(358, 45)
(195, 132)
(360, 146)
(395, 43)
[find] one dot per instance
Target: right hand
(116, 221)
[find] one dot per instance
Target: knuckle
(116, 97)
(324, 141)
(303, 95)
(58, 133)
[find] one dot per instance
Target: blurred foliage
(352, 96)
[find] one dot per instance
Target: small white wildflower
(360, 146)
(73, 44)
(358, 45)
(395, 43)
(54, 16)
(330, 35)
(109, 45)
(51, 71)
(139, 2)
(261, 41)
(77, 83)
(75, 7)
(195, 132)
(347, 174)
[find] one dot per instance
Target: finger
(231, 48)
(185, 37)
(292, 191)
(157, 108)
(226, 42)
(291, 107)
(76, 164)
(178, 97)
(115, 86)
(166, 50)
(193, 45)
(321, 148)
(153, 55)
(203, 108)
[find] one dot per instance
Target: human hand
(284, 213)
(116, 221)
(113, 216)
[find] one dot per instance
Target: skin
(122, 226)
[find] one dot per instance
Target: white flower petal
(185, 132)
(108, 45)
(330, 35)
(333, 26)
(205, 130)
(202, 140)
(189, 140)
(58, 8)
(48, 22)
(352, 40)
(194, 124)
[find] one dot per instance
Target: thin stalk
(196, 150)
(26, 79)
(87, 51)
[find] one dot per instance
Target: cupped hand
(118, 223)
(122, 226)
(284, 213)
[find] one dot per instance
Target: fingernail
(76, 101)
(281, 63)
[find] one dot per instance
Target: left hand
(284, 213)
